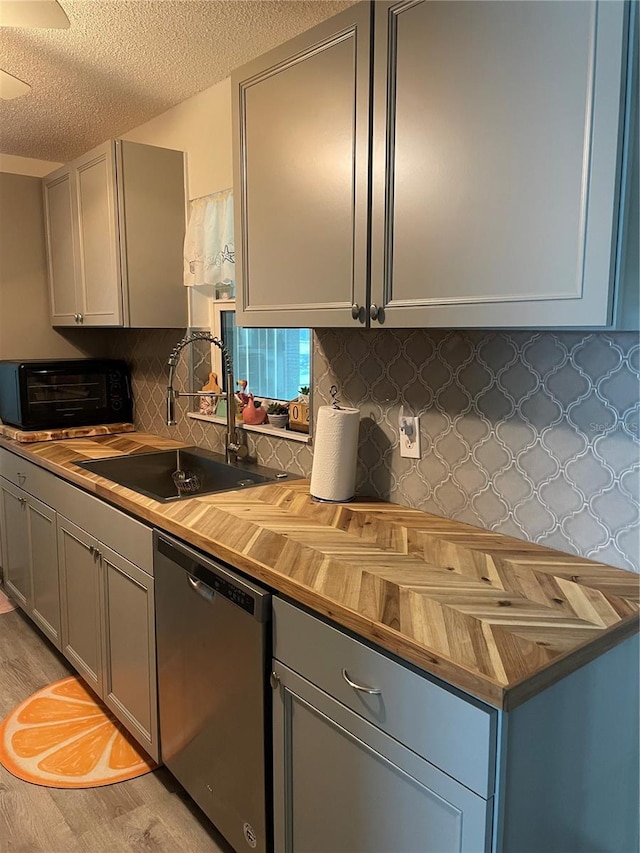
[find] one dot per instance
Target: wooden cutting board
(31, 436)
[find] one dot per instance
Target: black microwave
(64, 393)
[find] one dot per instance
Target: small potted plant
(278, 415)
(303, 396)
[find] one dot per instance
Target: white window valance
(209, 249)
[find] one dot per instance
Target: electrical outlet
(409, 437)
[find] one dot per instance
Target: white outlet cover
(409, 437)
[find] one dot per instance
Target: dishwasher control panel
(227, 590)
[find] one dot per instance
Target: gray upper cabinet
(115, 221)
(301, 125)
(100, 289)
(497, 160)
(500, 168)
(59, 210)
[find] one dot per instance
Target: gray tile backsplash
(534, 434)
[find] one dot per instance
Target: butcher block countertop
(497, 617)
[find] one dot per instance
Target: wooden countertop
(498, 617)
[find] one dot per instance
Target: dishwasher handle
(201, 588)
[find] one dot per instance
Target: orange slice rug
(6, 605)
(64, 737)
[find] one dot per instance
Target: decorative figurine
(208, 404)
(242, 395)
(254, 412)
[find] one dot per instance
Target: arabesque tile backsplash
(533, 434)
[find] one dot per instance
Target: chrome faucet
(234, 448)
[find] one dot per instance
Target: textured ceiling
(122, 62)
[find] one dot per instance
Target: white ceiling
(122, 62)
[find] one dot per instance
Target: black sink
(171, 475)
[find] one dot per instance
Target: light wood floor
(150, 814)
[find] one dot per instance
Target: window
(275, 362)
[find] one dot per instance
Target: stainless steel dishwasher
(212, 638)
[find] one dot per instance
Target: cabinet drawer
(34, 480)
(454, 734)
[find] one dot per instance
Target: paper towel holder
(333, 391)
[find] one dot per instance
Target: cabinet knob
(76, 317)
(373, 311)
(355, 311)
(23, 502)
(80, 318)
(274, 680)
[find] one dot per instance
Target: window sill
(286, 434)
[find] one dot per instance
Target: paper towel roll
(335, 452)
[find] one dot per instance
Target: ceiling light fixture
(43, 14)
(11, 87)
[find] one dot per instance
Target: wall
(14, 165)
(25, 330)
(200, 126)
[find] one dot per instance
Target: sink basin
(171, 475)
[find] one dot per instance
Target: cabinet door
(342, 785)
(80, 593)
(129, 643)
(60, 230)
(98, 245)
(43, 559)
(15, 543)
(301, 125)
(496, 162)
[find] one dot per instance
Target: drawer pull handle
(374, 691)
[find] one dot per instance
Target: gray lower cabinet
(94, 602)
(108, 629)
(343, 785)
(357, 769)
(29, 557)
(43, 560)
(371, 756)
(15, 543)
(80, 586)
(130, 647)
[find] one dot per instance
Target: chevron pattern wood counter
(495, 616)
